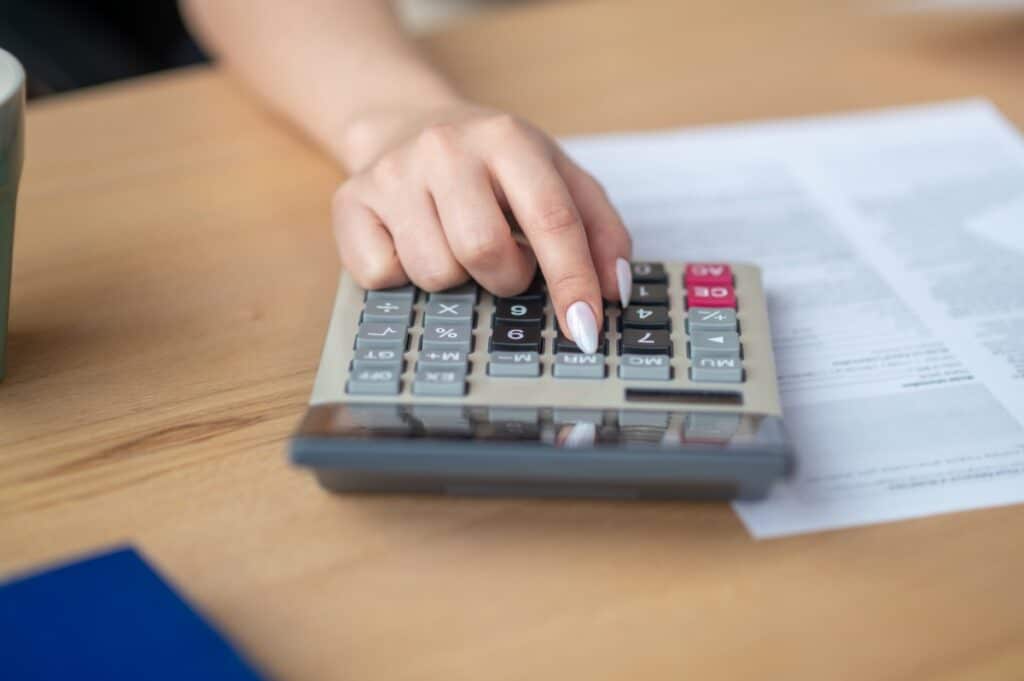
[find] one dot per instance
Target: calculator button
(645, 342)
(579, 365)
(721, 343)
(377, 416)
(645, 317)
(388, 310)
(519, 311)
(442, 359)
(515, 337)
(715, 368)
(444, 311)
(377, 358)
(534, 292)
(629, 418)
(374, 382)
(708, 273)
(466, 293)
(645, 367)
(518, 364)
(570, 416)
(649, 294)
(440, 382)
(448, 336)
(377, 335)
(719, 295)
(442, 419)
(649, 273)
(404, 293)
(710, 319)
(710, 427)
(563, 344)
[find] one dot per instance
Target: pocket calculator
(461, 392)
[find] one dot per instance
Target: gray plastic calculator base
(458, 392)
(723, 456)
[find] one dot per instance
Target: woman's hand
(428, 202)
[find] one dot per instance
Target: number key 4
(645, 317)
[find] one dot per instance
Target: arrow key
(715, 343)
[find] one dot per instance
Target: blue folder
(108, 617)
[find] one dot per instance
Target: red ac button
(708, 273)
(699, 295)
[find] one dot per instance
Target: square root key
(379, 335)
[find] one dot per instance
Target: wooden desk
(174, 273)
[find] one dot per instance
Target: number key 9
(519, 312)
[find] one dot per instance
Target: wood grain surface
(173, 278)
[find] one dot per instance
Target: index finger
(544, 209)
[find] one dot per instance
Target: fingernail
(582, 326)
(581, 435)
(624, 277)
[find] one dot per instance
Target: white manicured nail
(582, 434)
(582, 326)
(624, 277)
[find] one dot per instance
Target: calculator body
(462, 393)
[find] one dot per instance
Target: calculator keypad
(713, 345)
(690, 326)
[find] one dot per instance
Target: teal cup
(12, 149)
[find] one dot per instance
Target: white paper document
(892, 245)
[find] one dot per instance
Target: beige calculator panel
(753, 391)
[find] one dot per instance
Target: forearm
(341, 69)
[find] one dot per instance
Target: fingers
(609, 240)
(431, 211)
(476, 228)
(364, 245)
(545, 210)
(420, 242)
